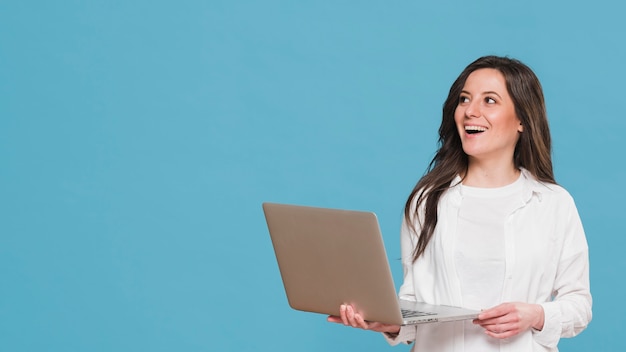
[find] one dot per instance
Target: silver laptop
(328, 257)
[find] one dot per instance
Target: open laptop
(328, 257)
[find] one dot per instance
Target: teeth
(475, 128)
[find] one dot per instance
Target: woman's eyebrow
(489, 92)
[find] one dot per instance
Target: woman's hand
(349, 317)
(510, 319)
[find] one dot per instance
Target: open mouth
(474, 129)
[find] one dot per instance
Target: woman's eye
(489, 100)
(463, 100)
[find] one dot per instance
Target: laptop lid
(328, 257)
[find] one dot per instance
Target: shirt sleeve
(407, 291)
(569, 312)
(408, 241)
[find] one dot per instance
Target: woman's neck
(490, 176)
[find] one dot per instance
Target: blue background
(138, 140)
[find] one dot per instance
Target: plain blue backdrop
(138, 140)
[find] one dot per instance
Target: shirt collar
(531, 187)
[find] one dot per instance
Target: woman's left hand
(510, 319)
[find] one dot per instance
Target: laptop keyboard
(414, 313)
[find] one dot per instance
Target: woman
(488, 228)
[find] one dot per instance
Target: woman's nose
(472, 109)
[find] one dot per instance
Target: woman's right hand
(349, 317)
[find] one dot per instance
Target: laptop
(328, 257)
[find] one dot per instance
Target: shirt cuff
(550, 335)
(406, 335)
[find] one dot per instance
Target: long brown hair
(532, 152)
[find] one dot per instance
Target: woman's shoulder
(556, 191)
(548, 190)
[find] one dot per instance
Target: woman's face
(485, 117)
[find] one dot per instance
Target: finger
(502, 334)
(489, 322)
(495, 312)
(361, 322)
(350, 315)
(342, 313)
(501, 331)
(496, 324)
(334, 319)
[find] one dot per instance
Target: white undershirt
(480, 253)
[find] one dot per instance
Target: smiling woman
(488, 228)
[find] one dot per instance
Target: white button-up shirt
(546, 260)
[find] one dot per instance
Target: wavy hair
(533, 150)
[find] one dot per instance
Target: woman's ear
(520, 128)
